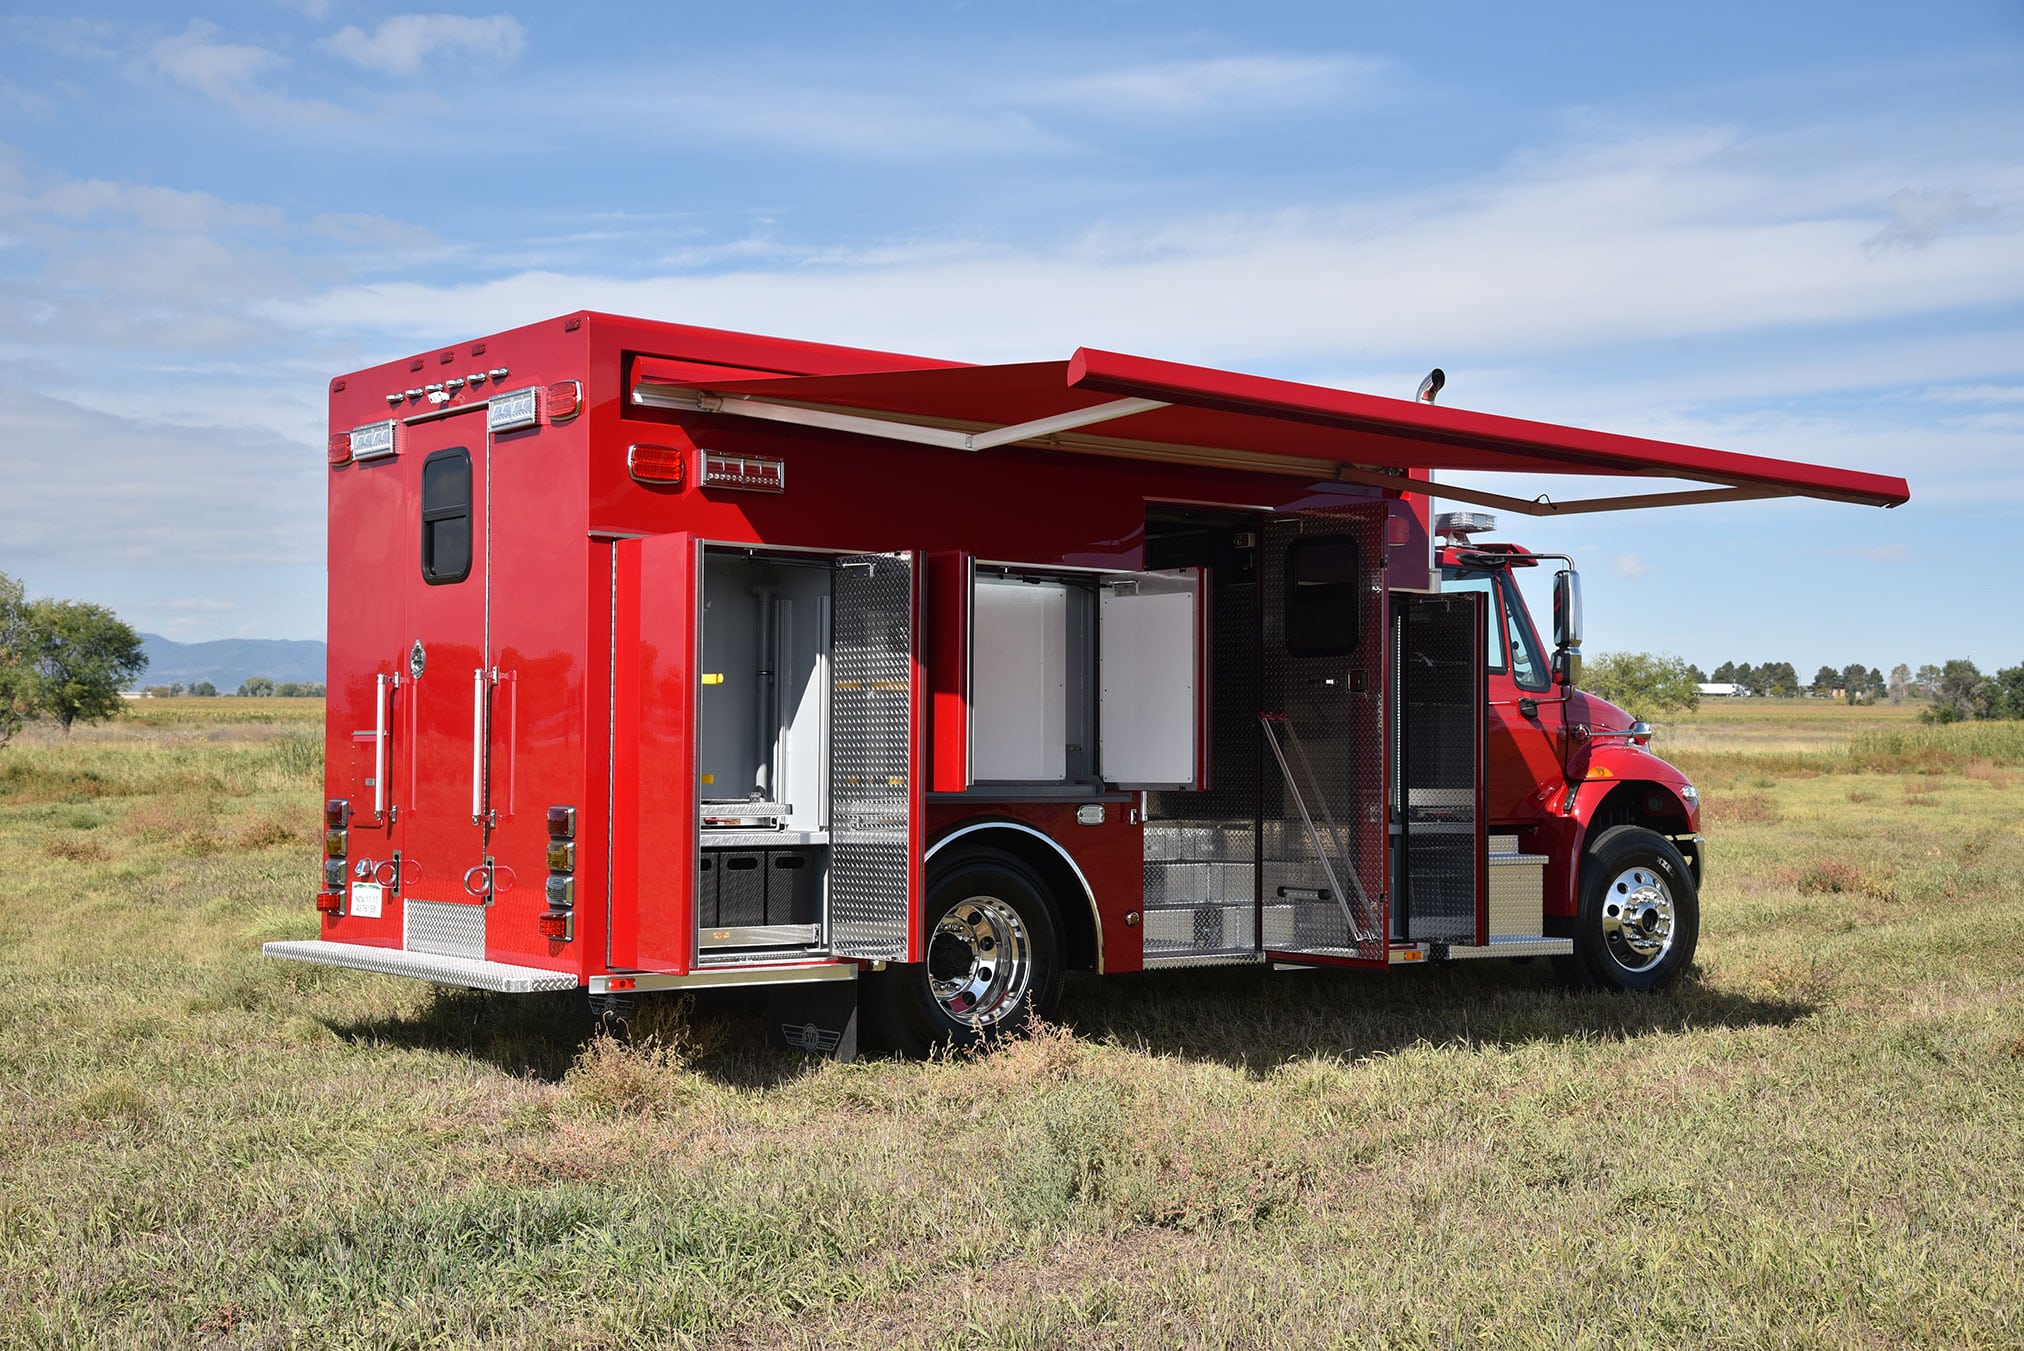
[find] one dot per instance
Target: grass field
(1817, 1140)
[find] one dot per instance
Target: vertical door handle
(478, 746)
(382, 696)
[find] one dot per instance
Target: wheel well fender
(1642, 802)
(1068, 889)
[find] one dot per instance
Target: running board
(470, 973)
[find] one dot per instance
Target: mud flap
(818, 1018)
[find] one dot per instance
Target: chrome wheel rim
(1638, 919)
(980, 961)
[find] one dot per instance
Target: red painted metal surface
(1111, 857)
(945, 613)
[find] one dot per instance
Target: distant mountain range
(230, 661)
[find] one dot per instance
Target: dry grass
(1813, 1142)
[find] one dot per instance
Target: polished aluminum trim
(1088, 893)
(1513, 947)
(759, 936)
(755, 975)
(502, 977)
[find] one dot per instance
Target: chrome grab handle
(386, 684)
(484, 872)
(388, 874)
(477, 747)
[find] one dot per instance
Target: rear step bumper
(476, 975)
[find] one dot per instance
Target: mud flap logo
(808, 1037)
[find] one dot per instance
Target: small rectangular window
(446, 517)
(1323, 592)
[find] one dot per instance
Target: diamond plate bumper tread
(475, 975)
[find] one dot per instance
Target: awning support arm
(745, 405)
(1545, 506)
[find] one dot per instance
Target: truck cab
(1564, 768)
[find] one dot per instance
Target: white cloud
(1628, 565)
(233, 74)
(402, 44)
(1918, 218)
(1222, 85)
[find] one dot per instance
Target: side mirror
(1567, 666)
(1567, 609)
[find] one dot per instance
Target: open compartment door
(875, 797)
(655, 672)
(1152, 680)
(1325, 845)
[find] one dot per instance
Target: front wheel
(993, 959)
(1640, 913)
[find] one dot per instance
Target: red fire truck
(665, 658)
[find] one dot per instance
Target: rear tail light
(330, 902)
(558, 922)
(340, 447)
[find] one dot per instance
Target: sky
(1793, 230)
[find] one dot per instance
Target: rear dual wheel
(992, 963)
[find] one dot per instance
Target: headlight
(1690, 794)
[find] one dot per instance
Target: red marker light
(563, 399)
(666, 465)
(553, 926)
(330, 902)
(340, 447)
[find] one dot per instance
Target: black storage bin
(793, 887)
(706, 891)
(741, 888)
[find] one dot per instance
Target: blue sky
(1794, 230)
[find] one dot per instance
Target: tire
(993, 959)
(1640, 915)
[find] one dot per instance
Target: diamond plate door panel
(1437, 764)
(1323, 791)
(874, 784)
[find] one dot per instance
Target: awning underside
(1110, 404)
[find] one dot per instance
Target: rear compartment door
(444, 703)
(876, 782)
(1152, 680)
(1325, 836)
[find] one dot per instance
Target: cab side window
(446, 517)
(1528, 665)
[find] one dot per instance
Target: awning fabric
(1248, 422)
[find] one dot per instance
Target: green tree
(16, 686)
(1963, 693)
(1725, 674)
(257, 687)
(1900, 682)
(1928, 680)
(1824, 681)
(82, 657)
(1855, 679)
(1778, 678)
(1700, 676)
(2008, 698)
(1640, 682)
(204, 689)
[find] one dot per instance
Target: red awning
(1110, 404)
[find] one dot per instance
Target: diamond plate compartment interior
(444, 928)
(871, 754)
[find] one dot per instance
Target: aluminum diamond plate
(476, 975)
(444, 928)
(871, 755)
(1326, 711)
